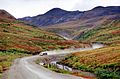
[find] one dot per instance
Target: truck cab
(43, 53)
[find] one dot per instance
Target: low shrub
(1, 69)
(105, 74)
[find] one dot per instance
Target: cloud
(83, 5)
(22, 8)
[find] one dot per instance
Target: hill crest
(57, 15)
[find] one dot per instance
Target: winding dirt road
(26, 68)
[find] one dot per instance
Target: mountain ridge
(5, 15)
(57, 15)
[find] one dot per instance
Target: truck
(43, 53)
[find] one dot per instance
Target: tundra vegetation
(7, 57)
(18, 40)
(104, 62)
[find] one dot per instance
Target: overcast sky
(22, 8)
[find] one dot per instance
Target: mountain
(53, 16)
(90, 19)
(5, 15)
(73, 29)
(57, 15)
(101, 11)
(17, 35)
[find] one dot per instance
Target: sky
(22, 8)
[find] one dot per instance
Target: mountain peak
(4, 14)
(56, 9)
(99, 7)
(56, 12)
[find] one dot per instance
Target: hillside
(108, 33)
(5, 15)
(18, 40)
(104, 62)
(15, 34)
(57, 15)
(73, 29)
(99, 25)
(18, 35)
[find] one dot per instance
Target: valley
(61, 32)
(24, 67)
(18, 40)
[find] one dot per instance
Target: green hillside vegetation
(109, 33)
(16, 35)
(18, 40)
(104, 62)
(7, 57)
(31, 39)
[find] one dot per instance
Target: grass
(18, 40)
(0, 75)
(34, 40)
(104, 62)
(50, 66)
(7, 57)
(54, 68)
(108, 33)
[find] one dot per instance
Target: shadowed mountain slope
(57, 15)
(5, 15)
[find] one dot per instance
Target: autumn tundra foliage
(104, 62)
(18, 40)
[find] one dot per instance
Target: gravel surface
(26, 68)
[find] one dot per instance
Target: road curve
(26, 68)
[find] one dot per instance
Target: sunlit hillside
(108, 33)
(18, 40)
(104, 62)
(17, 35)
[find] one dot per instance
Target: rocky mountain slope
(74, 29)
(53, 16)
(5, 15)
(57, 15)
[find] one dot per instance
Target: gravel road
(26, 68)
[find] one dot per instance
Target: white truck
(43, 53)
